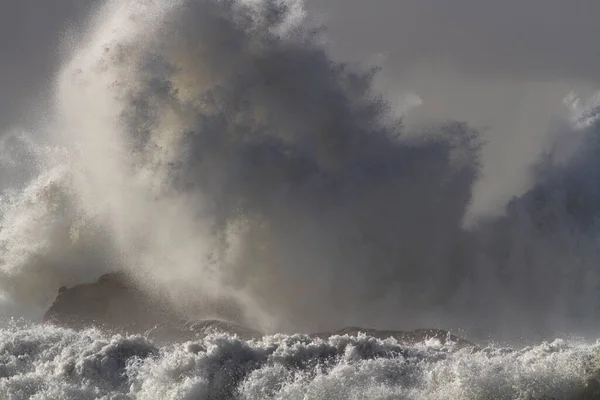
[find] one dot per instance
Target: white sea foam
(43, 362)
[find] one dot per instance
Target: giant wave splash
(212, 149)
(212, 152)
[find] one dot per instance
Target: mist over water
(217, 154)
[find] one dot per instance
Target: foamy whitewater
(214, 153)
(51, 363)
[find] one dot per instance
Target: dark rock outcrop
(112, 302)
(116, 304)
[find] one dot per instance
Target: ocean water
(214, 153)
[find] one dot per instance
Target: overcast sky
(30, 33)
(528, 39)
(504, 65)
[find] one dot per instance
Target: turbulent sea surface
(44, 362)
(214, 156)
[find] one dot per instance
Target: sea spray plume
(162, 235)
(20, 156)
(196, 125)
(215, 151)
(44, 239)
(48, 238)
